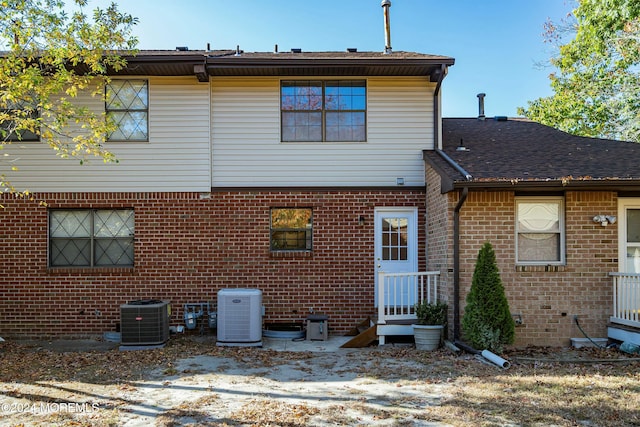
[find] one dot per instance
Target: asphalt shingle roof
(519, 150)
(229, 63)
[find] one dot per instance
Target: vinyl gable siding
(176, 157)
(247, 151)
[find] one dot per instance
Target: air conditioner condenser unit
(145, 322)
(239, 317)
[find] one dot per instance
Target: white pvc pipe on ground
(494, 358)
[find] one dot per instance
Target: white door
(629, 220)
(396, 243)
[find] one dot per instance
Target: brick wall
(440, 239)
(187, 248)
(547, 297)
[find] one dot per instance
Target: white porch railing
(626, 299)
(398, 294)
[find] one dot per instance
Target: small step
(623, 333)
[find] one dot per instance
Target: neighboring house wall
(547, 297)
(187, 247)
(247, 151)
(176, 157)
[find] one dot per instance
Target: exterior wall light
(605, 219)
(361, 220)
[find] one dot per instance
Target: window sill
(291, 254)
(323, 142)
(89, 270)
(551, 268)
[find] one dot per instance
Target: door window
(394, 239)
(633, 241)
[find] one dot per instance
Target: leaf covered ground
(193, 382)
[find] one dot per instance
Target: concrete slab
(71, 345)
(278, 344)
(330, 345)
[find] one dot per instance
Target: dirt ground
(193, 382)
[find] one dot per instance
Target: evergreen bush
(430, 313)
(487, 323)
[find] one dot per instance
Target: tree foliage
(52, 52)
(597, 83)
(487, 323)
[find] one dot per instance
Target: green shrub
(431, 313)
(487, 323)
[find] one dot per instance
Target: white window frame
(561, 225)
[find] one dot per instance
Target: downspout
(456, 264)
(456, 244)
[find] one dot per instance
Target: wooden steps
(369, 331)
(363, 339)
(365, 334)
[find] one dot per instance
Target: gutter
(555, 184)
(456, 166)
(456, 243)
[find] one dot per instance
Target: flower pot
(427, 337)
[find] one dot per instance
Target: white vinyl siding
(176, 157)
(248, 152)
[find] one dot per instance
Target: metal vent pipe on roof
(386, 4)
(481, 106)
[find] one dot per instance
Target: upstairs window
(28, 115)
(540, 230)
(323, 111)
(128, 106)
(291, 229)
(91, 238)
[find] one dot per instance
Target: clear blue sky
(497, 44)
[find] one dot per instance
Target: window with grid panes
(395, 242)
(91, 238)
(323, 110)
(127, 104)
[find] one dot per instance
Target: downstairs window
(540, 231)
(291, 229)
(91, 238)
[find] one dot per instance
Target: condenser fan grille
(240, 317)
(144, 322)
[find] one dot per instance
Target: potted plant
(432, 317)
